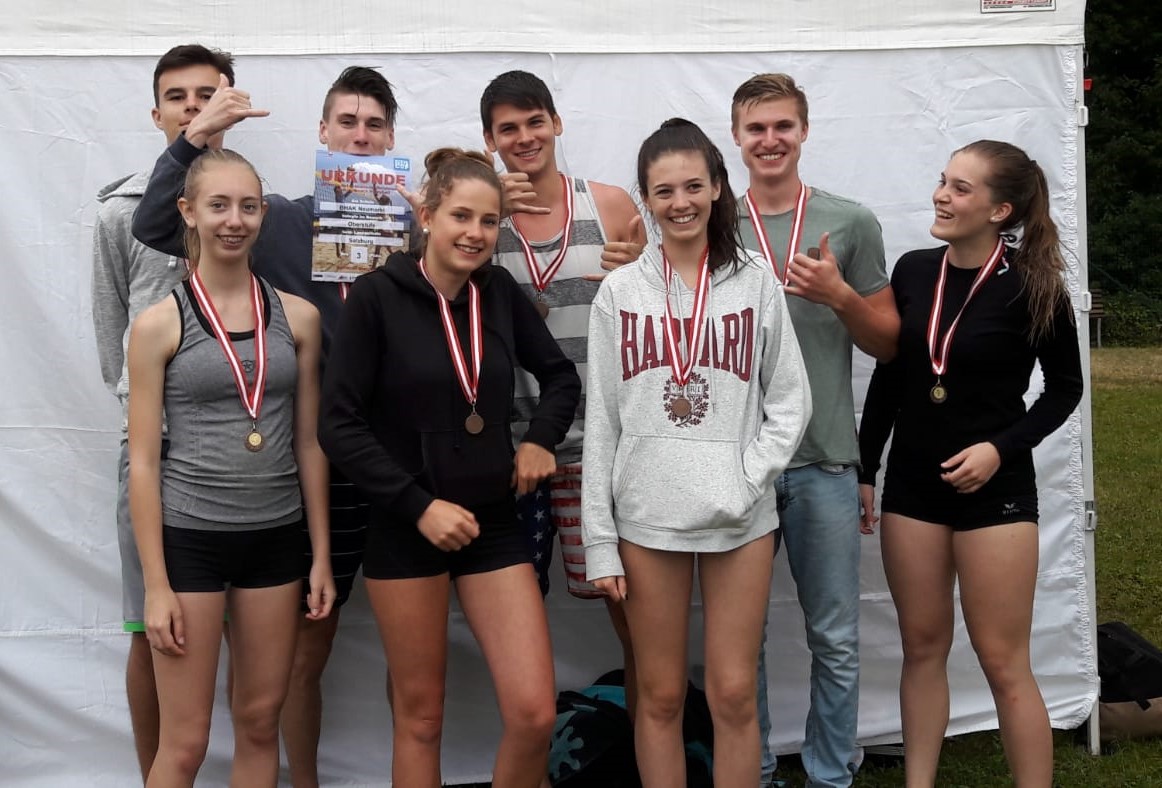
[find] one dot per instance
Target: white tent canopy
(894, 88)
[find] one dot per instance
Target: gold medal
(938, 394)
(254, 440)
(251, 396)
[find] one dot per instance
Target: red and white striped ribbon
(697, 329)
(796, 233)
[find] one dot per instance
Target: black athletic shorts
(349, 512)
(396, 551)
(211, 560)
(1006, 498)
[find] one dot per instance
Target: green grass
(1127, 427)
(1127, 432)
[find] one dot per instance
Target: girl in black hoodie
(416, 410)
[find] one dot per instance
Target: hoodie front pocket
(682, 483)
(468, 469)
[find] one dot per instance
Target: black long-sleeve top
(989, 365)
(393, 412)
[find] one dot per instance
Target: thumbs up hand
(817, 279)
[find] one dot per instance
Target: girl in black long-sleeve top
(418, 400)
(960, 495)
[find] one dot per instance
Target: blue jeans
(819, 516)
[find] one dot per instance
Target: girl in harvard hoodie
(697, 399)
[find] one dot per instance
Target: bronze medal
(680, 406)
(474, 424)
(255, 441)
(938, 394)
(814, 253)
(542, 307)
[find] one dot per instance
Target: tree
(1124, 145)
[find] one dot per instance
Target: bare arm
(314, 473)
(152, 342)
(871, 320)
(623, 224)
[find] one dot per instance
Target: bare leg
(997, 567)
(302, 713)
(185, 692)
(263, 622)
(657, 607)
(141, 690)
(507, 616)
(735, 589)
(621, 627)
(918, 564)
(412, 615)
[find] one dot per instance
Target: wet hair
(194, 174)
(362, 81)
(767, 87)
(187, 55)
(447, 166)
(1018, 180)
(519, 89)
(678, 135)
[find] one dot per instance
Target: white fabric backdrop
(883, 124)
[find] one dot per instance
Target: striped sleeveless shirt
(569, 297)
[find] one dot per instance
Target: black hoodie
(393, 412)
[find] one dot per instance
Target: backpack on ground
(592, 742)
(1130, 704)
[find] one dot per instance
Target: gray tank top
(211, 481)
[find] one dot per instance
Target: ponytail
(190, 193)
(1018, 180)
(680, 135)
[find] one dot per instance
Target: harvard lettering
(729, 346)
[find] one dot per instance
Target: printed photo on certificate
(360, 216)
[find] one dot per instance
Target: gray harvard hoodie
(703, 482)
(127, 277)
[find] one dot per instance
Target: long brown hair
(678, 135)
(1018, 180)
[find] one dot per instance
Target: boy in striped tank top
(563, 234)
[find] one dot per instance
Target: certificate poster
(1013, 6)
(360, 216)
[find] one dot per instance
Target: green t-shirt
(858, 245)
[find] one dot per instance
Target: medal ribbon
(469, 378)
(938, 349)
(251, 396)
(697, 330)
(344, 289)
(756, 219)
(541, 279)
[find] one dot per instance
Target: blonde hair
(190, 191)
(767, 87)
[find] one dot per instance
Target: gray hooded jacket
(127, 277)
